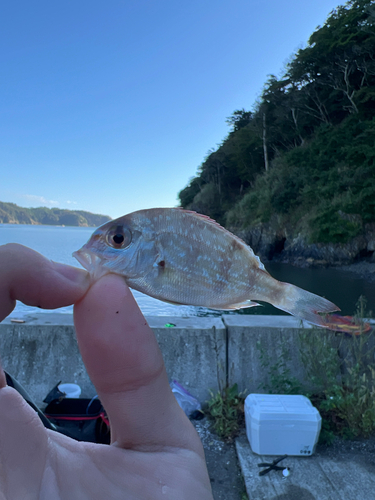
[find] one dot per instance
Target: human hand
(155, 451)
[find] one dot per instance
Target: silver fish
(183, 257)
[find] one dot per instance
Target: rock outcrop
(272, 243)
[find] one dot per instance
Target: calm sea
(58, 243)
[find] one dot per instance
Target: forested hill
(13, 214)
(303, 161)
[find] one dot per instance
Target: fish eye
(119, 237)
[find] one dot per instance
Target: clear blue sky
(111, 106)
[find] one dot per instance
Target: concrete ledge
(259, 321)
(51, 318)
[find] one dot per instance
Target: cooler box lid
(280, 407)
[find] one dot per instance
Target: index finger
(27, 276)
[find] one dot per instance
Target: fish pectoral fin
(239, 305)
(159, 262)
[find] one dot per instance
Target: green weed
(344, 374)
(226, 409)
(280, 379)
(341, 374)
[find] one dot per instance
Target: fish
(182, 257)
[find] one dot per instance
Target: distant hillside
(13, 214)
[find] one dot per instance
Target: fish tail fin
(305, 305)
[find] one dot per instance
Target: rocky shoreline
(362, 269)
(271, 243)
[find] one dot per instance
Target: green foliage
(348, 406)
(341, 369)
(226, 409)
(343, 373)
(280, 379)
(325, 188)
(188, 194)
(208, 200)
(240, 118)
(317, 125)
(253, 207)
(330, 225)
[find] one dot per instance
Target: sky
(111, 107)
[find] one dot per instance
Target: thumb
(125, 364)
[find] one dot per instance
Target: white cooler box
(281, 424)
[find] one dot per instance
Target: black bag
(82, 419)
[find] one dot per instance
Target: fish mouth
(87, 259)
(92, 263)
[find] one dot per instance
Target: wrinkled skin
(155, 453)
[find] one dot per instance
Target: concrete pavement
(322, 476)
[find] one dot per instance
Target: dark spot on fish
(161, 263)
(117, 312)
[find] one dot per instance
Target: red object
(346, 324)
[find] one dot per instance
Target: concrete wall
(43, 351)
(200, 353)
(273, 334)
(194, 352)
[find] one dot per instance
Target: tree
(339, 59)
(240, 118)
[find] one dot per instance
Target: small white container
(281, 424)
(71, 390)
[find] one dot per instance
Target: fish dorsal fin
(213, 222)
(207, 218)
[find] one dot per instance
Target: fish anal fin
(230, 307)
(239, 305)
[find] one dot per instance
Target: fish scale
(193, 247)
(183, 257)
